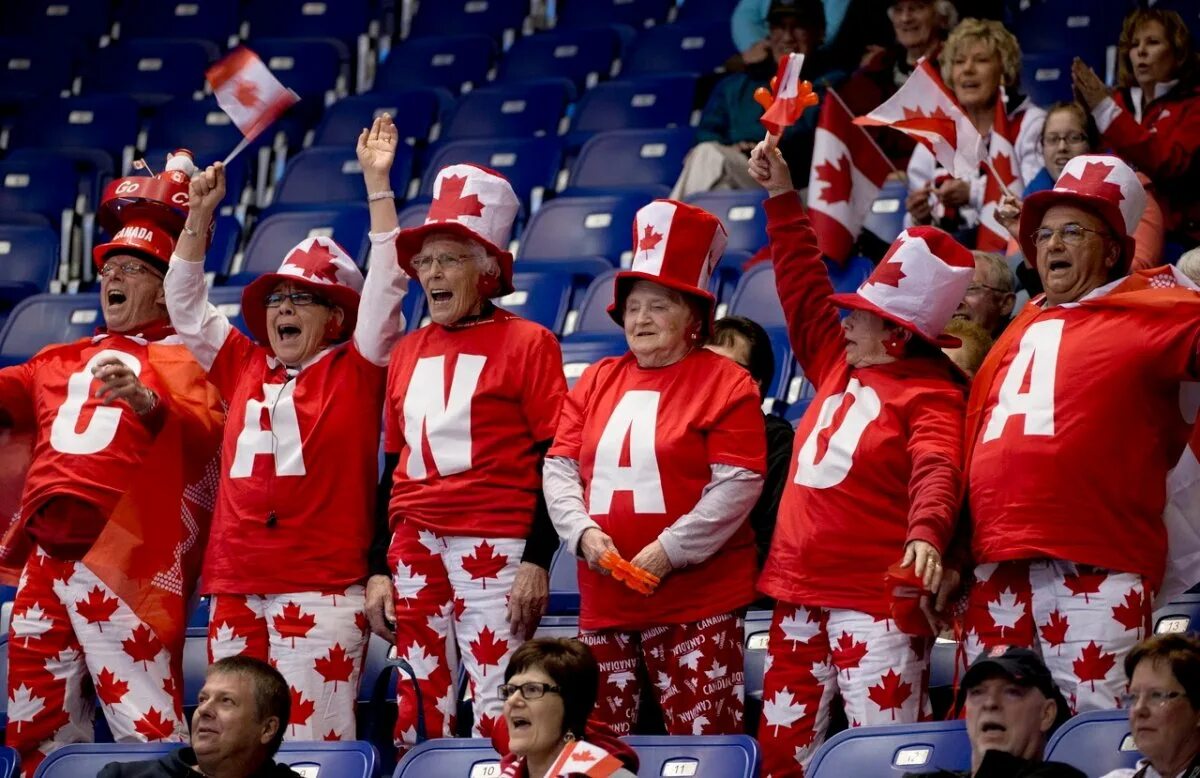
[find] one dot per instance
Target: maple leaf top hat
(676, 245)
(1100, 183)
(473, 202)
(918, 284)
(319, 265)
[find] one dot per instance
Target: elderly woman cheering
(659, 457)
(287, 557)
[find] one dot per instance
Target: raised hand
(207, 190)
(377, 147)
(1088, 86)
(768, 168)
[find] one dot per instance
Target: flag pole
(850, 113)
(238, 149)
(987, 161)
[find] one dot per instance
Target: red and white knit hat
(918, 284)
(472, 202)
(319, 265)
(676, 245)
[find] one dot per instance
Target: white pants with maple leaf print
(71, 632)
(815, 653)
(315, 639)
(1083, 620)
(451, 597)
(695, 671)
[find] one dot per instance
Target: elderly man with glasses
(989, 299)
(1074, 421)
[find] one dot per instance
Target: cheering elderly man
(1074, 420)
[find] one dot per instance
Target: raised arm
(380, 321)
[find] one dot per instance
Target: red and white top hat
(1099, 182)
(918, 284)
(319, 265)
(676, 245)
(142, 236)
(472, 202)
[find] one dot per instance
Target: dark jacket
(1000, 764)
(179, 764)
(780, 435)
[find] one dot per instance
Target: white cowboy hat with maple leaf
(918, 284)
(676, 245)
(1101, 183)
(317, 264)
(472, 202)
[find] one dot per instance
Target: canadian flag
(847, 171)
(925, 110)
(790, 99)
(1182, 514)
(247, 91)
(1002, 163)
(582, 758)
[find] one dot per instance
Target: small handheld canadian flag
(790, 98)
(249, 92)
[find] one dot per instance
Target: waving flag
(790, 97)
(1002, 173)
(247, 91)
(925, 110)
(583, 758)
(847, 171)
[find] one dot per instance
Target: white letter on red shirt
(839, 454)
(444, 419)
(281, 441)
(635, 418)
(1037, 358)
(102, 427)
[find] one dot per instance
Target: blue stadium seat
(195, 664)
(684, 47)
(343, 21)
(4, 651)
(573, 14)
(893, 750)
(558, 627)
(630, 158)
(414, 111)
(44, 319)
(46, 185)
(757, 629)
(581, 226)
(94, 129)
(450, 758)
(1180, 615)
(706, 11)
(199, 126)
(29, 258)
(495, 18)
(70, 24)
(278, 233)
(541, 297)
(308, 66)
(757, 298)
(1046, 76)
(10, 762)
(716, 756)
(151, 70)
(1185, 8)
(347, 759)
(886, 219)
(210, 20)
(413, 214)
(941, 663)
(579, 353)
(510, 110)
(741, 212)
(1091, 28)
(849, 277)
(227, 237)
(583, 56)
(593, 320)
(647, 102)
(228, 300)
(564, 582)
(29, 68)
(1096, 742)
(448, 62)
(781, 348)
(318, 177)
(528, 163)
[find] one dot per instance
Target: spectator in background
(976, 343)
(989, 299)
(747, 343)
(1189, 264)
(1153, 119)
(1164, 707)
(978, 59)
(751, 22)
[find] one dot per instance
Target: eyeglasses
(1155, 698)
(529, 691)
(1071, 234)
(1071, 139)
(126, 269)
(975, 289)
(446, 261)
(298, 299)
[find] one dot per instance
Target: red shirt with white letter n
(466, 409)
(645, 440)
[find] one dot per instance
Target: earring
(569, 736)
(894, 347)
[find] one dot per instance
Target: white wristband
(381, 196)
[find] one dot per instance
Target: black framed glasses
(529, 691)
(298, 299)
(1069, 138)
(1071, 234)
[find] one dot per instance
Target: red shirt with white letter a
(466, 409)
(645, 440)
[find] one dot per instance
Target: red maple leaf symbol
(450, 204)
(170, 687)
(581, 755)
(317, 262)
(1091, 180)
(487, 724)
(97, 608)
(484, 563)
(143, 646)
(460, 607)
(919, 113)
(360, 621)
(1004, 168)
(1093, 664)
(292, 623)
(848, 653)
(246, 93)
(331, 735)
(109, 688)
(1084, 583)
(1054, 632)
(335, 667)
(649, 239)
(1131, 614)
(837, 175)
(154, 725)
(890, 693)
(889, 272)
(302, 709)
(487, 650)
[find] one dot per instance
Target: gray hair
(1189, 264)
(946, 12)
(1000, 275)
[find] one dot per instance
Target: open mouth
(992, 726)
(1058, 264)
(440, 296)
(287, 332)
(115, 297)
(521, 723)
(959, 315)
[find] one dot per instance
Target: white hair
(947, 14)
(1189, 264)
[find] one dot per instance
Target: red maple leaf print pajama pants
(315, 639)
(815, 653)
(1083, 620)
(451, 602)
(67, 626)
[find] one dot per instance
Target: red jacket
(878, 459)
